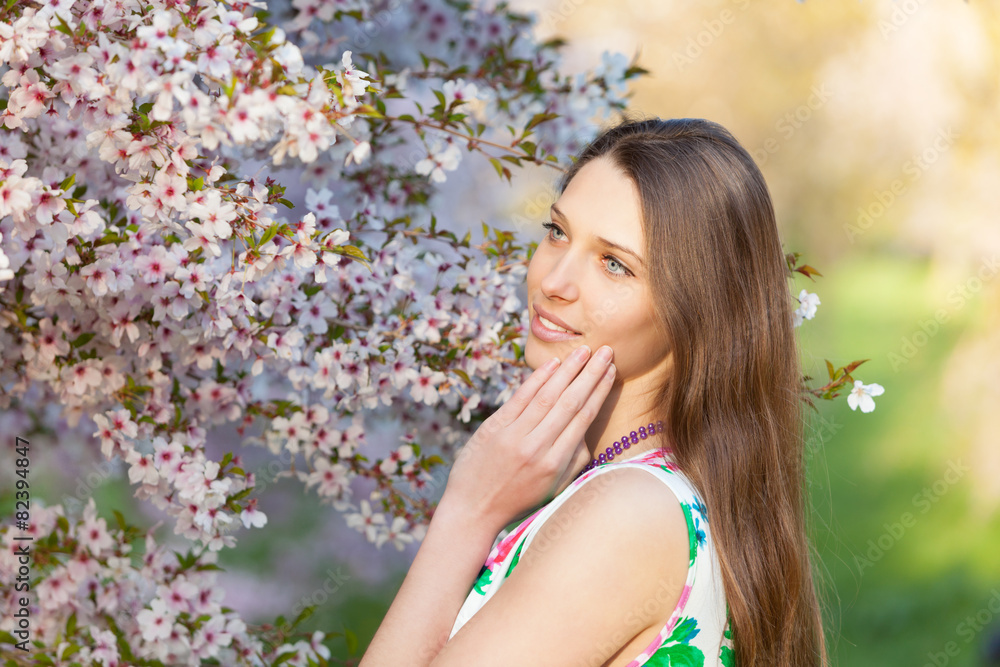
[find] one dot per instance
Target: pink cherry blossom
(156, 622)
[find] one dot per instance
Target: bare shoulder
(608, 565)
(625, 510)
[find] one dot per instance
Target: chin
(530, 353)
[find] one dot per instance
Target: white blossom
(862, 395)
(807, 307)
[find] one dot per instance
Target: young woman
(664, 490)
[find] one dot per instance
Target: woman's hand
(532, 447)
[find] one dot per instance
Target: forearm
(418, 622)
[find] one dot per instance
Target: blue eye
(623, 272)
(552, 228)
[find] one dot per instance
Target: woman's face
(589, 276)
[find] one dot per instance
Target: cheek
(632, 332)
(537, 267)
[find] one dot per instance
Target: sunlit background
(876, 126)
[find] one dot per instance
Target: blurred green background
(875, 124)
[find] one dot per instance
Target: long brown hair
(732, 403)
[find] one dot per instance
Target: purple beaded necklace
(626, 441)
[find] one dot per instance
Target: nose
(561, 280)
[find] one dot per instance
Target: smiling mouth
(548, 324)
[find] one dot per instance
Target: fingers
(567, 428)
(515, 405)
(554, 395)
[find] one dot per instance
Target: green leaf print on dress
(677, 650)
(692, 534)
(726, 655)
(483, 581)
(513, 561)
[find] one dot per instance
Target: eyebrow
(611, 244)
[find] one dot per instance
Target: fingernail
(582, 352)
(611, 371)
(604, 354)
(551, 363)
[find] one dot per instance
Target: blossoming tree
(157, 281)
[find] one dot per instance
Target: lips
(548, 320)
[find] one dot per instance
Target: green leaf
(355, 253)
(68, 183)
(433, 460)
(242, 494)
(271, 232)
(635, 70)
(499, 167)
(83, 339)
(303, 615)
(63, 27)
(284, 657)
(538, 119)
(352, 641)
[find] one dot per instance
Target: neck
(627, 407)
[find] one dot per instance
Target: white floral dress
(697, 633)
